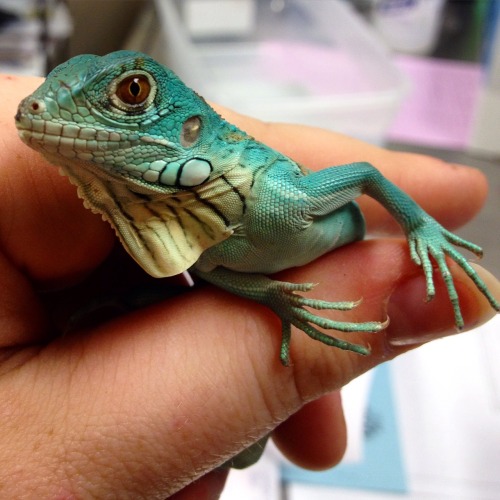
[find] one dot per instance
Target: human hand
(149, 403)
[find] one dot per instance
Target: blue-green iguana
(186, 190)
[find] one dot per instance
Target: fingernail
(414, 321)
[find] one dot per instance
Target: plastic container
(313, 62)
(409, 27)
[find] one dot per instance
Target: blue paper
(382, 466)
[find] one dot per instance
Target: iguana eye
(133, 91)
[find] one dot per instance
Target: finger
(316, 436)
(170, 392)
(432, 183)
(44, 228)
(22, 317)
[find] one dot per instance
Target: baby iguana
(185, 190)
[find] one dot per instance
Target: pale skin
(139, 405)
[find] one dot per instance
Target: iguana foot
(432, 240)
(284, 300)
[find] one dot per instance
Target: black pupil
(135, 88)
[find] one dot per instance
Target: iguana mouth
(66, 138)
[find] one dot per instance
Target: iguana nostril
(36, 107)
(29, 106)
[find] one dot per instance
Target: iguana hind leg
(283, 298)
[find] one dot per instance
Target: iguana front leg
(284, 300)
(329, 189)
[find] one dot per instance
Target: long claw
(456, 240)
(330, 340)
(450, 286)
(323, 304)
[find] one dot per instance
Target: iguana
(186, 190)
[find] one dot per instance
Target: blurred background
(414, 75)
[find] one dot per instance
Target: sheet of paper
(355, 402)
(262, 481)
(440, 106)
(491, 346)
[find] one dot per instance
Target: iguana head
(125, 113)
(140, 146)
